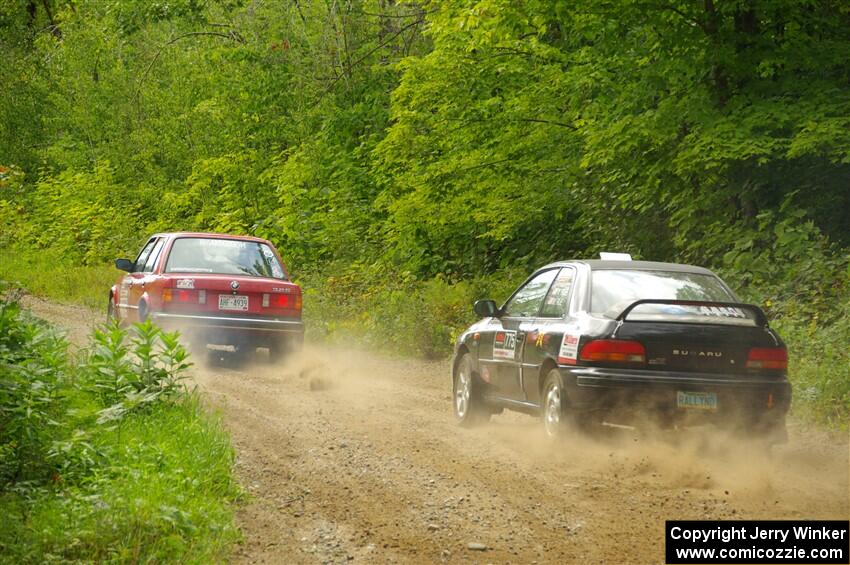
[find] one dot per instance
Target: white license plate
(697, 400)
(232, 302)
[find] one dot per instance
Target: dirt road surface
(351, 456)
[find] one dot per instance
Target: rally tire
(558, 421)
(467, 400)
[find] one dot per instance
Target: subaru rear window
(224, 257)
(614, 290)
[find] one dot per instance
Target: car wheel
(556, 417)
(110, 312)
(469, 407)
(143, 311)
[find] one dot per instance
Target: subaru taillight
(613, 351)
(768, 358)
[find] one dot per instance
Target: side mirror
(124, 265)
(485, 308)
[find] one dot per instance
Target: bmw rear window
(224, 257)
(613, 290)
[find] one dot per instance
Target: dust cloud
(703, 459)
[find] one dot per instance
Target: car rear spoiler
(758, 313)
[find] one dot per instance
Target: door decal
(504, 345)
(569, 349)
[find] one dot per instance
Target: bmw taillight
(281, 301)
(613, 351)
(184, 296)
(775, 358)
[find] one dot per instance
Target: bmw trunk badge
(234, 285)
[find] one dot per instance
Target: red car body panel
(209, 307)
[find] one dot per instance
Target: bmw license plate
(232, 302)
(696, 400)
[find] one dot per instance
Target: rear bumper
(227, 324)
(742, 402)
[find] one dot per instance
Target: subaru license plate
(696, 400)
(232, 302)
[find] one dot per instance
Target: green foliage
(77, 214)
(160, 495)
(111, 458)
(32, 375)
(403, 314)
(130, 382)
(819, 364)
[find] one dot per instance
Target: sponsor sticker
(186, 283)
(222, 243)
(724, 311)
(569, 349)
(504, 345)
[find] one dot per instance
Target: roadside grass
(108, 457)
(45, 273)
(162, 493)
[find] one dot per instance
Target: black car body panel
(703, 359)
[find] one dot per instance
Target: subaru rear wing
(707, 308)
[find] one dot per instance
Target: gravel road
(350, 455)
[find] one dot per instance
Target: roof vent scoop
(605, 256)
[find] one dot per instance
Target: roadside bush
(111, 457)
(819, 364)
(398, 313)
(129, 378)
(32, 375)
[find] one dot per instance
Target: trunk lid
(696, 336)
(696, 348)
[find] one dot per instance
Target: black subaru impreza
(582, 343)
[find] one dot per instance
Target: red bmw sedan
(216, 289)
